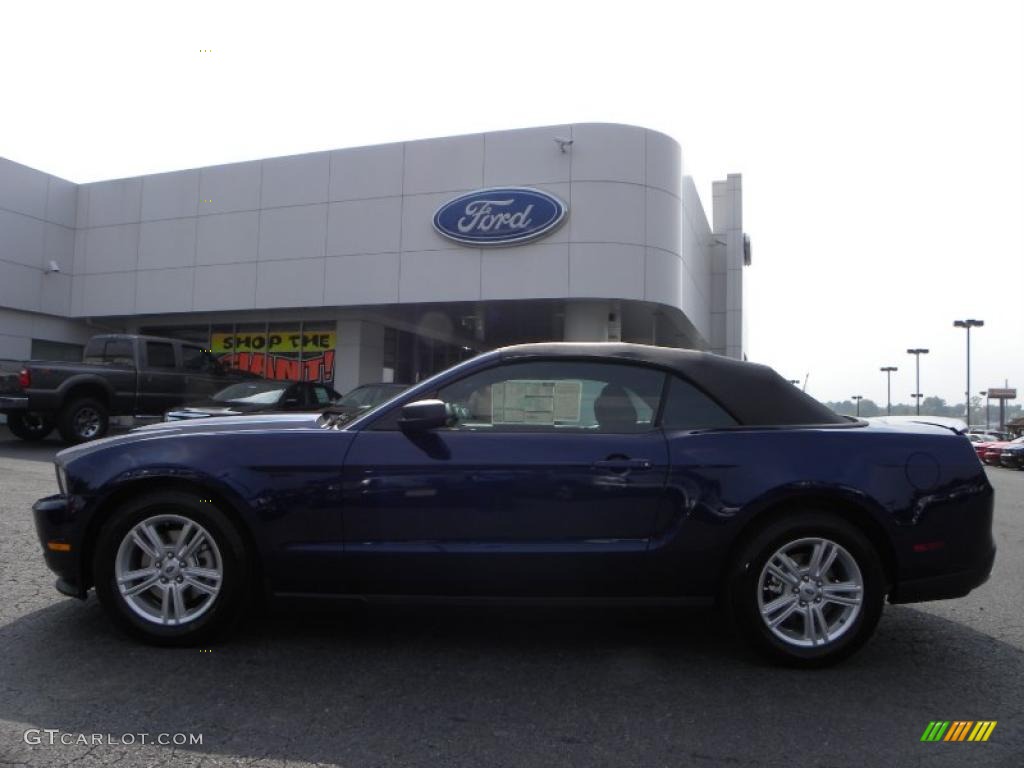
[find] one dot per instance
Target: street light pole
(857, 398)
(984, 393)
(917, 364)
(888, 371)
(968, 324)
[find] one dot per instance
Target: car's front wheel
(807, 590)
(171, 569)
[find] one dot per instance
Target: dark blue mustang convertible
(567, 471)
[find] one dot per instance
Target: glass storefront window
(319, 344)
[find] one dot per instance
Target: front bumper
(54, 519)
(944, 586)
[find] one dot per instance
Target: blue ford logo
(500, 216)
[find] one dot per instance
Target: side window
(160, 354)
(321, 395)
(557, 396)
(689, 408)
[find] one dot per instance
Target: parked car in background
(989, 435)
(980, 448)
(560, 471)
(1013, 455)
(257, 397)
(992, 452)
(365, 397)
(120, 375)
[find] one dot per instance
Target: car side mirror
(424, 415)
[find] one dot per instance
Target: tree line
(930, 406)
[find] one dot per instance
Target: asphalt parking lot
(498, 687)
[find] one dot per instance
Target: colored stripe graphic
(983, 730)
(935, 730)
(958, 730)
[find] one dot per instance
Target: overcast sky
(881, 143)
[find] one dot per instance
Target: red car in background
(991, 453)
(980, 446)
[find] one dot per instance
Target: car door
(161, 382)
(123, 375)
(709, 464)
(548, 482)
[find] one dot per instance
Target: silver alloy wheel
(810, 592)
(169, 570)
(87, 422)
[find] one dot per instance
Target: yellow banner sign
(280, 342)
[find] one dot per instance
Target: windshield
(369, 395)
(363, 401)
(262, 392)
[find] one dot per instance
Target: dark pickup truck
(121, 375)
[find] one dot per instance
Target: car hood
(212, 425)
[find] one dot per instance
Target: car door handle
(623, 464)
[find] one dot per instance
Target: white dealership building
(341, 265)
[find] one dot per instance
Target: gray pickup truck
(120, 375)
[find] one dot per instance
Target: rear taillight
(24, 378)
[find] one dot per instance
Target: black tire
(223, 610)
(744, 591)
(30, 425)
(83, 419)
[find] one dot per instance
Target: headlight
(62, 479)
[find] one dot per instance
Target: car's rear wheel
(82, 420)
(171, 569)
(807, 590)
(30, 425)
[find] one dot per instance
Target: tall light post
(984, 393)
(857, 399)
(917, 364)
(888, 371)
(968, 324)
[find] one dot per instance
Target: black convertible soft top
(754, 394)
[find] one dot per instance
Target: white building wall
(727, 268)
(37, 227)
(353, 227)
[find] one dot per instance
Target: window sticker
(525, 401)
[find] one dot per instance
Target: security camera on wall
(53, 266)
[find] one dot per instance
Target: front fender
(282, 488)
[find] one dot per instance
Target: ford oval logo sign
(499, 216)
